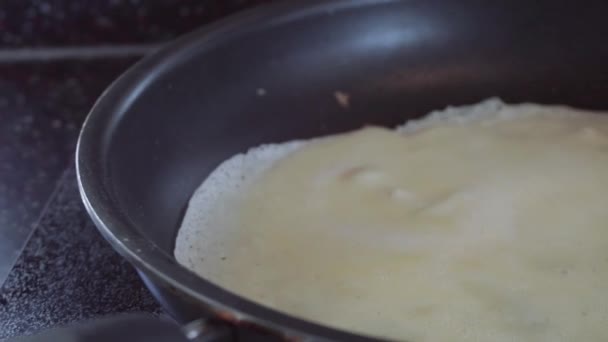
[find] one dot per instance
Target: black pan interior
(396, 59)
(272, 75)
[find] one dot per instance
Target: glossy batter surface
(489, 229)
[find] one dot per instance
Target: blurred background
(56, 57)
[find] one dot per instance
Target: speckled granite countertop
(41, 108)
(103, 22)
(68, 272)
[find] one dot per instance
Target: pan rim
(121, 233)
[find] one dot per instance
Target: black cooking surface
(42, 105)
(68, 272)
(93, 22)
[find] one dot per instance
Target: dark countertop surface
(55, 268)
(41, 108)
(101, 22)
(68, 272)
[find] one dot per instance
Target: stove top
(68, 272)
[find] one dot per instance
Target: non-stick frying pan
(270, 75)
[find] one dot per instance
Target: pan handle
(135, 328)
(205, 331)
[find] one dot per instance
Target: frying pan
(270, 75)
